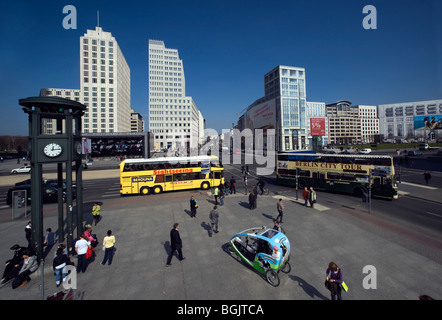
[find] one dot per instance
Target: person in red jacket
(305, 196)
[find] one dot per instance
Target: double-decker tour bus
(340, 173)
(156, 175)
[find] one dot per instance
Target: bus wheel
(205, 185)
(145, 191)
(358, 192)
(302, 184)
(157, 189)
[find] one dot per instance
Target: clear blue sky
(227, 47)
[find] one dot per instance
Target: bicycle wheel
(272, 277)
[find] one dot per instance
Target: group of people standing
(309, 196)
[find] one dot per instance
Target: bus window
(217, 175)
(159, 178)
(333, 175)
(169, 178)
(304, 173)
(348, 177)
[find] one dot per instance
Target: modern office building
(351, 124)
(174, 119)
(136, 122)
(407, 120)
(104, 83)
(282, 108)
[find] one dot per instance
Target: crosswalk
(316, 206)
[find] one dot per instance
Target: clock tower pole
(58, 147)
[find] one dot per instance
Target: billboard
(317, 126)
(262, 116)
(429, 123)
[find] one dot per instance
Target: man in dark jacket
(175, 243)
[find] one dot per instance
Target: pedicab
(266, 250)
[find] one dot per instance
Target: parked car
(365, 151)
(25, 169)
(423, 146)
(49, 193)
(414, 153)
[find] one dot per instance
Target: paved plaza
(405, 266)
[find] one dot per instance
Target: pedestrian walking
(227, 187)
(427, 176)
(333, 280)
(305, 196)
(216, 194)
(96, 212)
(28, 234)
(109, 248)
(81, 248)
(280, 207)
(251, 200)
(246, 184)
(255, 197)
(221, 196)
(59, 263)
(193, 207)
(312, 197)
(232, 185)
(213, 216)
(176, 244)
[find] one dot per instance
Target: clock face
(52, 150)
(78, 148)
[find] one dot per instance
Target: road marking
(402, 193)
(418, 185)
(317, 206)
(434, 214)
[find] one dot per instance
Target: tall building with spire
(173, 117)
(104, 83)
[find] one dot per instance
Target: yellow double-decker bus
(156, 175)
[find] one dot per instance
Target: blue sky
(227, 47)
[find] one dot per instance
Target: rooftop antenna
(98, 18)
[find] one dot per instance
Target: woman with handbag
(193, 206)
(333, 280)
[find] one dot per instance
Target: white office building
(407, 120)
(49, 125)
(104, 83)
(369, 123)
(174, 119)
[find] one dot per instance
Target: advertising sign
(262, 116)
(317, 126)
(431, 122)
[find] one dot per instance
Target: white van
(423, 146)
